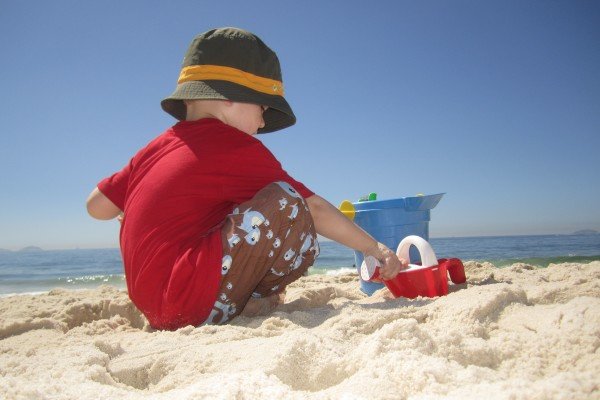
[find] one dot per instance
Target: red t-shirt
(175, 194)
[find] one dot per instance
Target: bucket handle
(428, 258)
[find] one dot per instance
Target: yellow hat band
(221, 73)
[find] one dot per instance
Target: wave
(331, 270)
(36, 286)
(543, 262)
(12, 286)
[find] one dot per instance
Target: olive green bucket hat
(232, 64)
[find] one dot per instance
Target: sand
(513, 333)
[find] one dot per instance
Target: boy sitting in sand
(212, 226)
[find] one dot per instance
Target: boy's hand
(390, 263)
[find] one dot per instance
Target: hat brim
(279, 115)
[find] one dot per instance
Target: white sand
(518, 333)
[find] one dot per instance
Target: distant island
(31, 249)
(586, 232)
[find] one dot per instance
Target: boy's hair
(232, 64)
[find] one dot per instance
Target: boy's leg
(268, 242)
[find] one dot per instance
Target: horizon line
(34, 248)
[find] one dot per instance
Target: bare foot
(262, 305)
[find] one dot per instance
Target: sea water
(35, 271)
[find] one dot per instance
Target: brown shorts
(268, 242)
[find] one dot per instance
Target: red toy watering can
(430, 279)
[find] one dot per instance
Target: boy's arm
(100, 207)
(332, 224)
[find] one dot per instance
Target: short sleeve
(115, 186)
(252, 167)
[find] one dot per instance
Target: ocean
(36, 270)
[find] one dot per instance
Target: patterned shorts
(268, 242)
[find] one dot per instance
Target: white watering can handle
(428, 258)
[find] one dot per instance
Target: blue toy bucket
(390, 221)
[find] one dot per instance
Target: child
(211, 223)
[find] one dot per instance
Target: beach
(519, 332)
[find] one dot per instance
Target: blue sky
(495, 103)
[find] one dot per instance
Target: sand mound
(518, 332)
